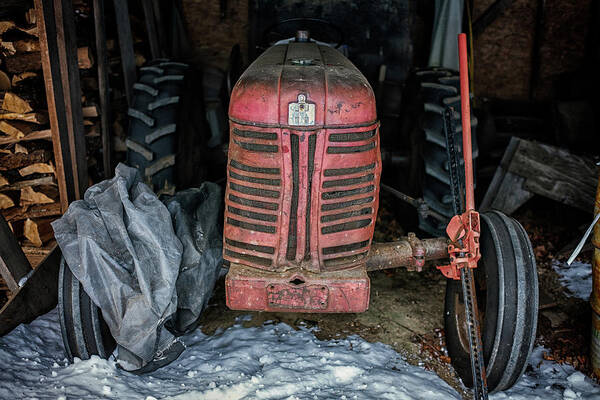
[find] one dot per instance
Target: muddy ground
(406, 308)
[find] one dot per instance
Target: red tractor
(303, 180)
(301, 205)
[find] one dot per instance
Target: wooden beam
(151, 28)
(529, 168)
(126, 45)
(37, 296)
(13, 263)
(61, 78)
(103, 86)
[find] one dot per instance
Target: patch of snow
(577, 277)
(550, 380)
(272, 361)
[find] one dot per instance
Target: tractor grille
(253, 198)
(301, 198)
(349, 198)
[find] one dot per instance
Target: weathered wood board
(529, 168)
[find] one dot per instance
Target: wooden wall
(213, 34)
(504, 51)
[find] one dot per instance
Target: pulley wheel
(507, 296)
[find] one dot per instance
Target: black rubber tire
(431, 91)
(153, 123)
(83, 329)
(508, 298)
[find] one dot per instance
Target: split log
(23, 62)
(16, 129)
(19, 148)
(6, 26)
(37, 168)
(27, 45)
(92, 131)
(34, 211)
(8, 48)
(4, 81)
(18, 78)
(30, 196)
(85, 60)
(16, 104)
(20, 160)
(18, 185)
(3, 181)
(31, 17)
(34, 117)
(35, 255)
(45, 180)
(90, 111)
(6, 202)
(38, 231)
(45, 134)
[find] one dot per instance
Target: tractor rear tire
(430, 92)
(83, 329)
(153, 123)
(507, 295)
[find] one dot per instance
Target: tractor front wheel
(507, 296)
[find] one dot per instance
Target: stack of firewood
(29, 196)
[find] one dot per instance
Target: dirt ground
(406, 308)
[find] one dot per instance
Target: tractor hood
(302, 76)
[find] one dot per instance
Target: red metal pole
(466, 121)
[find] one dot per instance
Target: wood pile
(29, 195)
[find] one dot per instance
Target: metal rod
(419, 204)
(465, 110)
(401, 253)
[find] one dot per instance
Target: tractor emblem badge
(301, 113)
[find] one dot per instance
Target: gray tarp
(144, 265)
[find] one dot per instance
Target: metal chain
(466, 274)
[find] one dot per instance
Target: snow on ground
(272, 361)
(577, 277)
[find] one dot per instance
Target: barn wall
(504, 51)
(212, 34)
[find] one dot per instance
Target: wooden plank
(103, 86)
(506, 192)
(151, 28)
(38, 296)
(65, 18)
(126, 45)
(66, 126)
(13, 263)
(557, 174)
(529, 168)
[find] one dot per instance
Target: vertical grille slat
(292, 244)
(312, 144)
